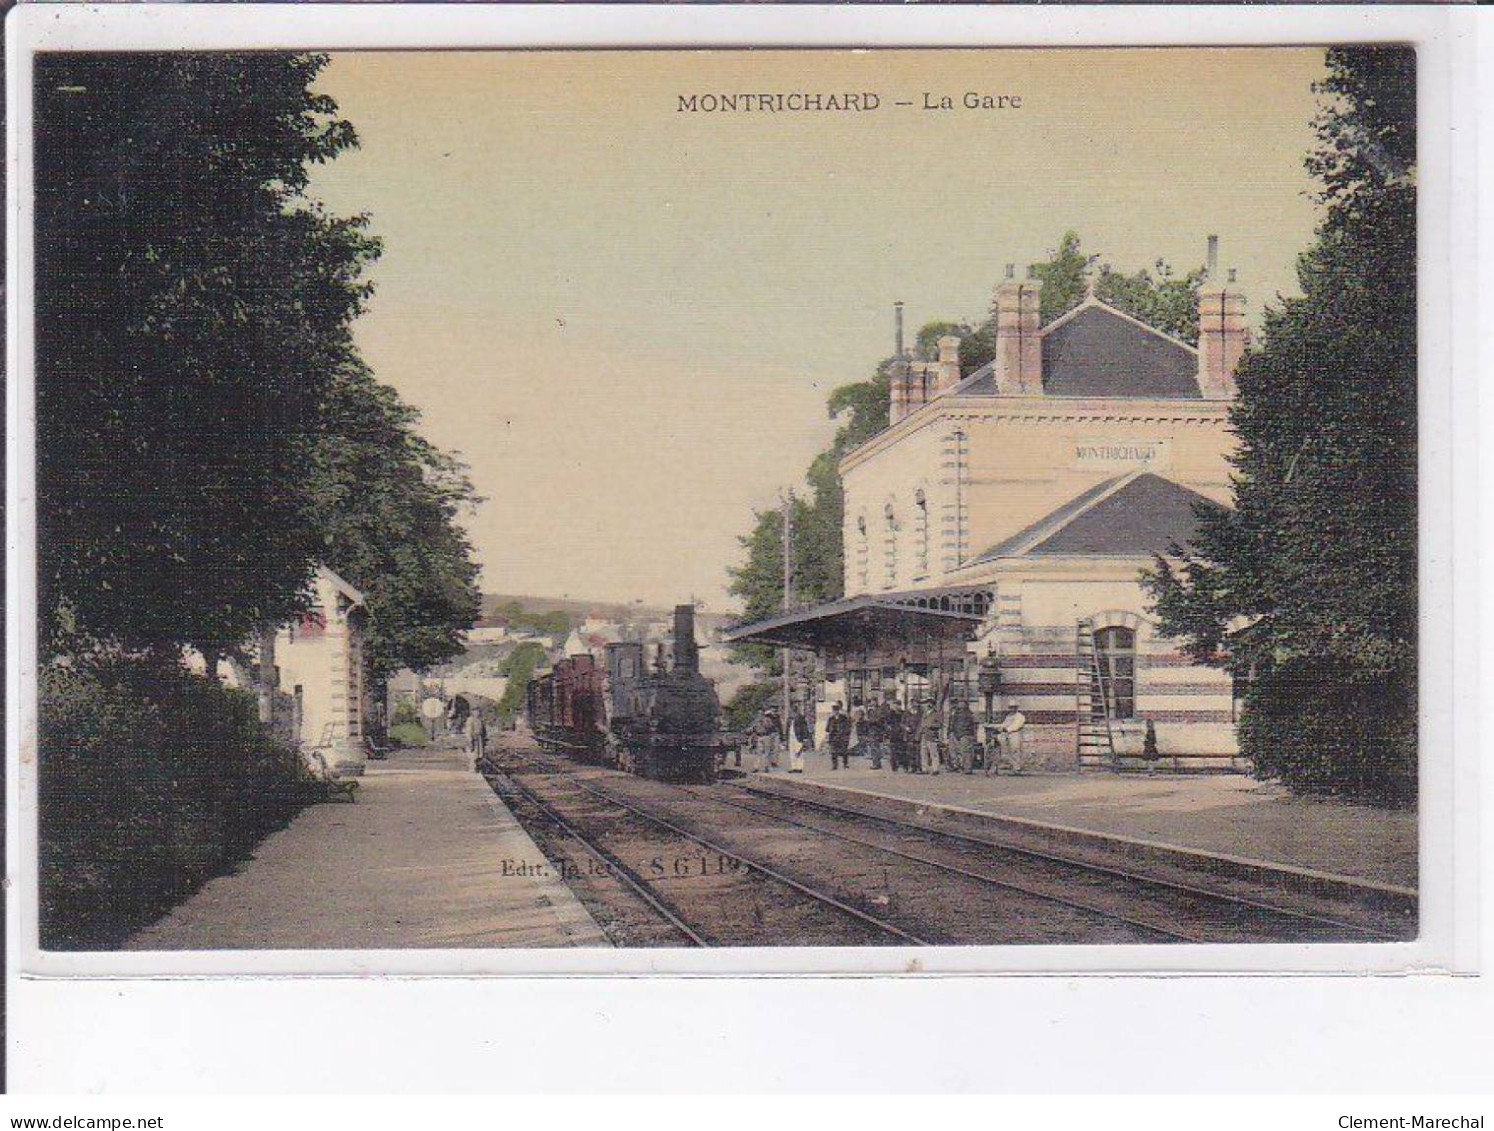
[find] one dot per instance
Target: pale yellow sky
(627, 318)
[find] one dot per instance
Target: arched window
(1116, 678)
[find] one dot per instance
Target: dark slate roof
(1051, 522)
(1145, 515)
(1098, 352)
(981, 383)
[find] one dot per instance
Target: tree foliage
(1065, 277)
(153, 781)
(518, 668)
(815, 521)
(554, 622)
(192, 306)
(1308, 584)
(206, 431)
(386, 508)
(206, 434)
(1158, 296)
(1165, 300)
(750, 698)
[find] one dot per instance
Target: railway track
(1215, 916)
(707, 892)
(519, 797)
(918, 897)
(1036, 884)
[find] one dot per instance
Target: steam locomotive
(659, 724)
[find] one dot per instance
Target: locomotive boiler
(659, 723)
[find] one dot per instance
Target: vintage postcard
(725, 510)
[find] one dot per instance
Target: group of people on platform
(770, 736)
(919, 739)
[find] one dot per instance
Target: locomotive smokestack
(686, 654)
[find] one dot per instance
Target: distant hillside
(578, 609)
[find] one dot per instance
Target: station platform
(426, 857)
(1227, 815)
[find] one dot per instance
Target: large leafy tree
(192, 306)
(387, 507)
(1308, 585)
(206, 430)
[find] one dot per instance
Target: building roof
(1049, 524)
(352, 594)
(913, 616)
(1134, 515)
(1096, 350)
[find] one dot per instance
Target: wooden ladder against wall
(1092, 719)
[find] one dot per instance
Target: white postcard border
(1448, 848)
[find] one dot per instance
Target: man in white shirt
(1009, 739)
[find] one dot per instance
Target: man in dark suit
(838, 738)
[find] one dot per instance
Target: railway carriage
(564, 709)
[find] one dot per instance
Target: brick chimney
(1019, 348)
(1222, 336)
(948, 374)
(920, 384)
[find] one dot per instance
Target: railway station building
(996, 530)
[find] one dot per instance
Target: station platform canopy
(911, 619)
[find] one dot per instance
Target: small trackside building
(1003, 521)
(319, 676)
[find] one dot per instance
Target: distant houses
(488, 632)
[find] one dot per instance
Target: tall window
(863, 554)
(921, 518)
(956, 461)
(889, 550)
(1116, 677)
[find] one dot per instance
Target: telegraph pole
(788, 587)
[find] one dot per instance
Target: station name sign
(1119, 455)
